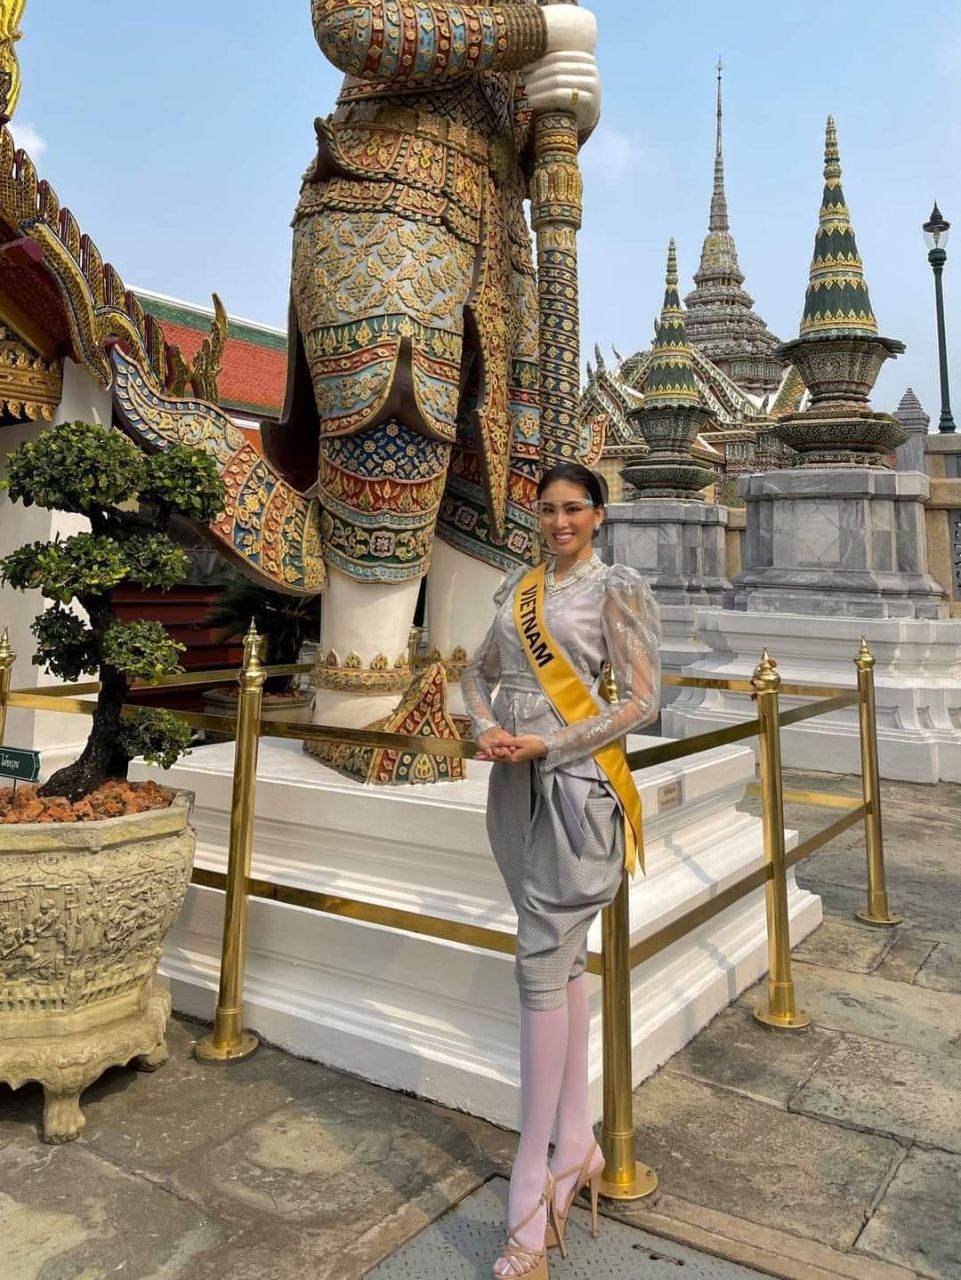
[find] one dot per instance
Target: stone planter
(84, 910)
(294, 706)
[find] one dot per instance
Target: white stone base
(438, 1018)
(680, 645)
(917, 682)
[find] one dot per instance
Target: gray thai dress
(555, 825)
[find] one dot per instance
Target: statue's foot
(421, 712)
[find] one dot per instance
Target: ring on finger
(575, 94)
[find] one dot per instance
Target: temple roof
(254, 370)
(721, 321)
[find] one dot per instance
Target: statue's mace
(556, 191)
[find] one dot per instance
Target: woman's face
(568, 518)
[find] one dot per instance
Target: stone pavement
(836, 1152)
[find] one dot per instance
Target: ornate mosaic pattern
(556, 198)
(98, 307)
(837, 300)
(400, 42)
(11, 13)
(417, 303)
(268, 527)
(421, 712)
(674, 412)
(30, 387)
(670, 377)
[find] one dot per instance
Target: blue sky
(178, 132)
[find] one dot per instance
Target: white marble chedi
(440, 1018)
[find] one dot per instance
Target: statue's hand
(565, 81)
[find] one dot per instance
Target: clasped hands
(566, 78)
(507, 748)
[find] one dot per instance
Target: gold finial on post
(877, 911)
(7, 659)
(865, 659)
(253, 652)
(229, 1042)
(781, 1013)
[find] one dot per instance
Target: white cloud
(28, 137)
(612, 154)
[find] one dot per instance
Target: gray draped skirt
(558, 839)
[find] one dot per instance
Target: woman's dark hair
(593, 484)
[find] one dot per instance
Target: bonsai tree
(285, 622)
(128, 498)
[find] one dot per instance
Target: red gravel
(113, 800)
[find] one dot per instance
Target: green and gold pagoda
(674, 411)
(838, 351)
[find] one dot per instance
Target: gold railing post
(781, 1013)
(876, 912)
(7, 659)
(229, 1041)
(625, 1178)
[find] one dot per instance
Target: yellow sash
(572, 702)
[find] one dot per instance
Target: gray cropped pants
(557, 883)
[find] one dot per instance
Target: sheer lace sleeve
(632, 632)
(484, 669)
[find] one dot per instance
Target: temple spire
(721, 322)
(837, 299)
(670, 378)
(719, 219)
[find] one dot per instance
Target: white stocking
(543, 1052)
(574, 1135)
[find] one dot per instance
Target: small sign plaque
(669, 796)
(19, 764)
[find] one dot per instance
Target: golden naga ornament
(11, 12)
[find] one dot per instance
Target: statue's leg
(469, 562)
(380, 301)
(362, 623)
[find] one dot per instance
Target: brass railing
(624, 1177)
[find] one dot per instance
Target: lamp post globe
(936, 237)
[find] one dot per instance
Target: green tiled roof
(194, 318)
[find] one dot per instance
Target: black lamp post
(936, 237)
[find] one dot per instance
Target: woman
(562, 822)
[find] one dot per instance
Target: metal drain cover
(463, 1244)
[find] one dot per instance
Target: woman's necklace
(573, 575)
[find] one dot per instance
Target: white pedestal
(680, 645)
(917, 681)
(439, 1018)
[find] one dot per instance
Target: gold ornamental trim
(30, 387)
(351, 676)
(11, 13)
(453, 666)
(98, 305)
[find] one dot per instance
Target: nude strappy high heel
(534, 1261)
(557, 1221)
